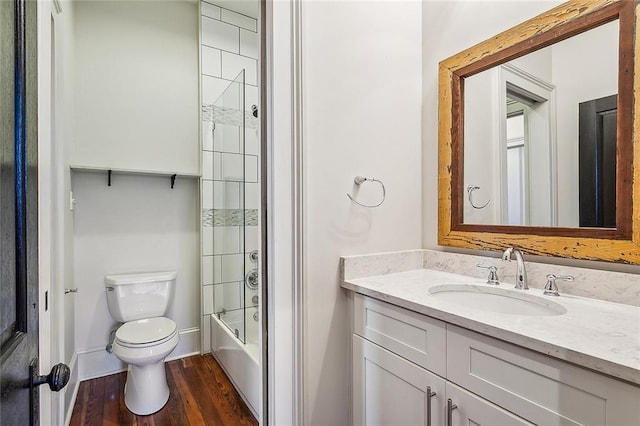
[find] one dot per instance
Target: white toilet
(146, 338)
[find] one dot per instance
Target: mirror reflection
(540, 136)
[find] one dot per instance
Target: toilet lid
(146, 330)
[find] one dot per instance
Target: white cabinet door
(389, 390)
(473, 410)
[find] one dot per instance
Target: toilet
(146, 337)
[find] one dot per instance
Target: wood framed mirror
(550, 187)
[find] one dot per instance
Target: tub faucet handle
(493, 274)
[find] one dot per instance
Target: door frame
(545, 123)
(51, 288)
(283, 178)
(283, 167)
(44, 201)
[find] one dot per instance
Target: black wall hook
(173, 180)
(109, 178)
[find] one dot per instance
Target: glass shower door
(228, 216)
(235, 214)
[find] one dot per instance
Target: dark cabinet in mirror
(536, 137)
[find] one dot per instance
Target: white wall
(136, 83)
(361, 74)
(481, 131)
(442, 37)
(139, 224)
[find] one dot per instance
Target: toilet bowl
(146, 338)
(144, 344)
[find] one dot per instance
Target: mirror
(524, 157)
(535, 137)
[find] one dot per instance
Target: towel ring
(359, 180)
(470, 190)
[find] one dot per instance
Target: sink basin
(492, 299)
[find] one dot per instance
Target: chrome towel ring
(359, 180)
(470, 190)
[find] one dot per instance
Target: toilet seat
(146, 332)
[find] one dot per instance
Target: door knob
(56, 379)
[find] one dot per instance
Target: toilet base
(146, 390)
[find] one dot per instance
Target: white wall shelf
(79, 168)
(171, 175)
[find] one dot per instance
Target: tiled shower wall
(229, 44)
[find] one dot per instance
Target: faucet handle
(493, 274)
(551, 289)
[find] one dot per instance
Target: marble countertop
(599, 335)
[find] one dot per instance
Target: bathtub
(240, 361)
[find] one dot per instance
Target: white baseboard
(189, 344)
(75, 382)
(97, 362)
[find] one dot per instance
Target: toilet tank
(132, 297)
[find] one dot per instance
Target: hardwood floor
(201, 394)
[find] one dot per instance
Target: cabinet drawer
(418, 338)
(541, 389)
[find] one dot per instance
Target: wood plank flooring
(201, 394)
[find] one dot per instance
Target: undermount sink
(495, 299)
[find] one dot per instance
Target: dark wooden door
(597, 160)
(18, 212)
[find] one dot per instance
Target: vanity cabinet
(389, 390)
(398, 354)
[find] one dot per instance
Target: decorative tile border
(230, 116)
(229, 217)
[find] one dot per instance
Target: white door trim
(285, 236)
(50, 211)
(545, 90)
(47, 333)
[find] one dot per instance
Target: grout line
(228, 180)
(228, 51)
(229, 10)
(231, 152)
(224, 282)
(226, 79)
(232, 254)
(234, 153)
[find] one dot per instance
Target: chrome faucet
(521, 274)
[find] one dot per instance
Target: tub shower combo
(232, 301)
